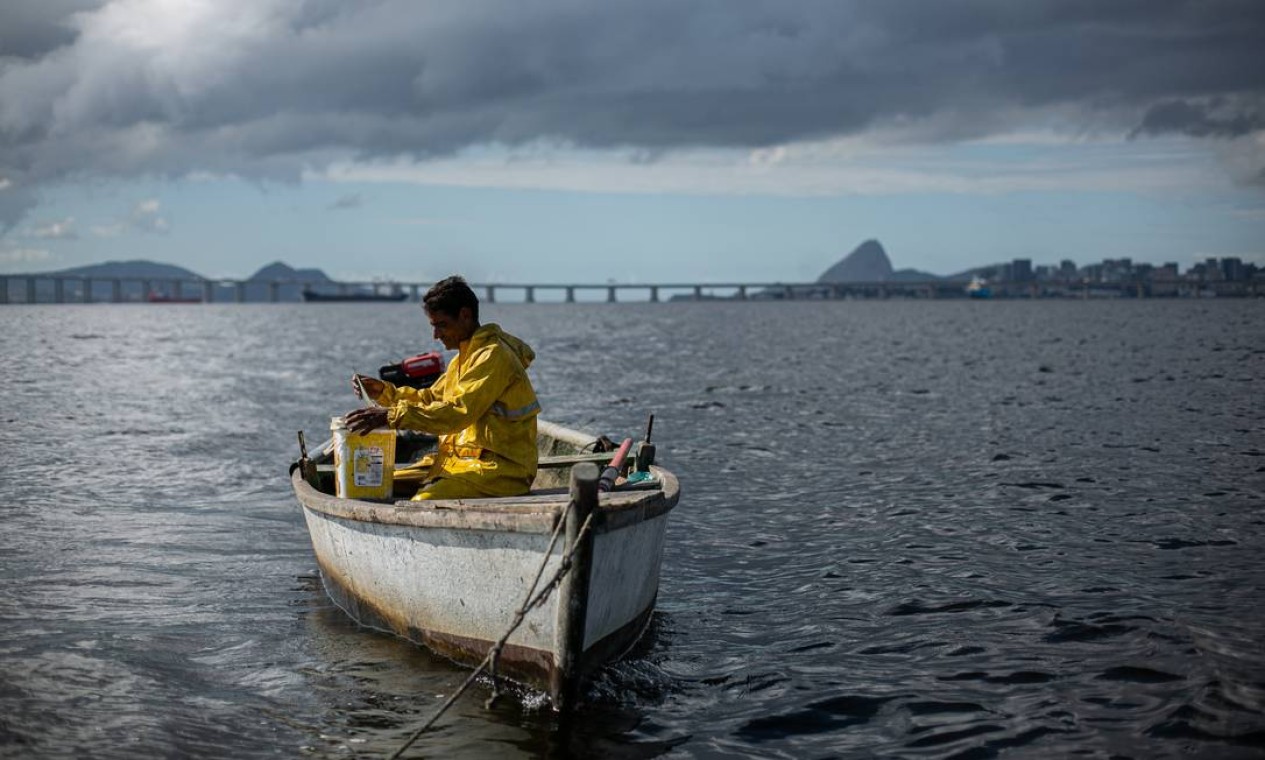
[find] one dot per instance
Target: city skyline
(379, 140)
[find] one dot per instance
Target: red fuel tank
(419, 371)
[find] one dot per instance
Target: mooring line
(495, 652)
(529, 603)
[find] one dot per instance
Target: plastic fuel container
(364, 465)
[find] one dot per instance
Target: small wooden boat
(451, 574)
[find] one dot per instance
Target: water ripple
(908, 530)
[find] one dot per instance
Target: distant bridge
(62, 289)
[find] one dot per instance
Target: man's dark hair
(449, 295)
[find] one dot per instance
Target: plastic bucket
(364, 465)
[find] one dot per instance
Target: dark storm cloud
(30, 29)
(268, 88)
(1196, 119)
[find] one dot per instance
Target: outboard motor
(420, 371)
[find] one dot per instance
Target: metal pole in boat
(573, 593)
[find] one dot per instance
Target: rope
(495, 652)
(529, 604)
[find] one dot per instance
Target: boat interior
(559, 449)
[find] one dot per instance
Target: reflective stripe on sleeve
(501, 410)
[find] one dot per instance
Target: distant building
(1117, 270)
(1232, 269)
(994, 273)
(1067, 269)
(1211, 270)
(1165, 280)
(1021, 270)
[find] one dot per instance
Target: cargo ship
(361, 295)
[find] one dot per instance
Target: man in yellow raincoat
(483, 408)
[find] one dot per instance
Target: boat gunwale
(510, 513)
(516, 514)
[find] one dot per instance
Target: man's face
(451, 329)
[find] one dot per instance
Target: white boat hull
(451, 576)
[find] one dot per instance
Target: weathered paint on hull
(456, 592)
(453, 591)
(625, 577)
(452, 578)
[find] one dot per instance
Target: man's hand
(372, 386)
(368, 419)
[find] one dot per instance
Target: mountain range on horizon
(173, 281)
(153, 270)
(868, 262)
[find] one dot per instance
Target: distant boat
(364, 295)
(161, 298)
(978, 288)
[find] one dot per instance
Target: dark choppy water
(908, 530)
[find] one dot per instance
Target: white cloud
(63, 229)
(24, 255)
(833, 167)
(147, 217)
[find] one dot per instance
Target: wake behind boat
(450, 574)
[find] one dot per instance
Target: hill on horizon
(135, 268)
(913, 275)
(868, 262)
(258, 286)
(161, 278)
(279, 270)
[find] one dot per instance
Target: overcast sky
(628, 139)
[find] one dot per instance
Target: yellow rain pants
(448, 488)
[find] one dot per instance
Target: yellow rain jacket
(483, 408)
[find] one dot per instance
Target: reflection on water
(907, 529)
